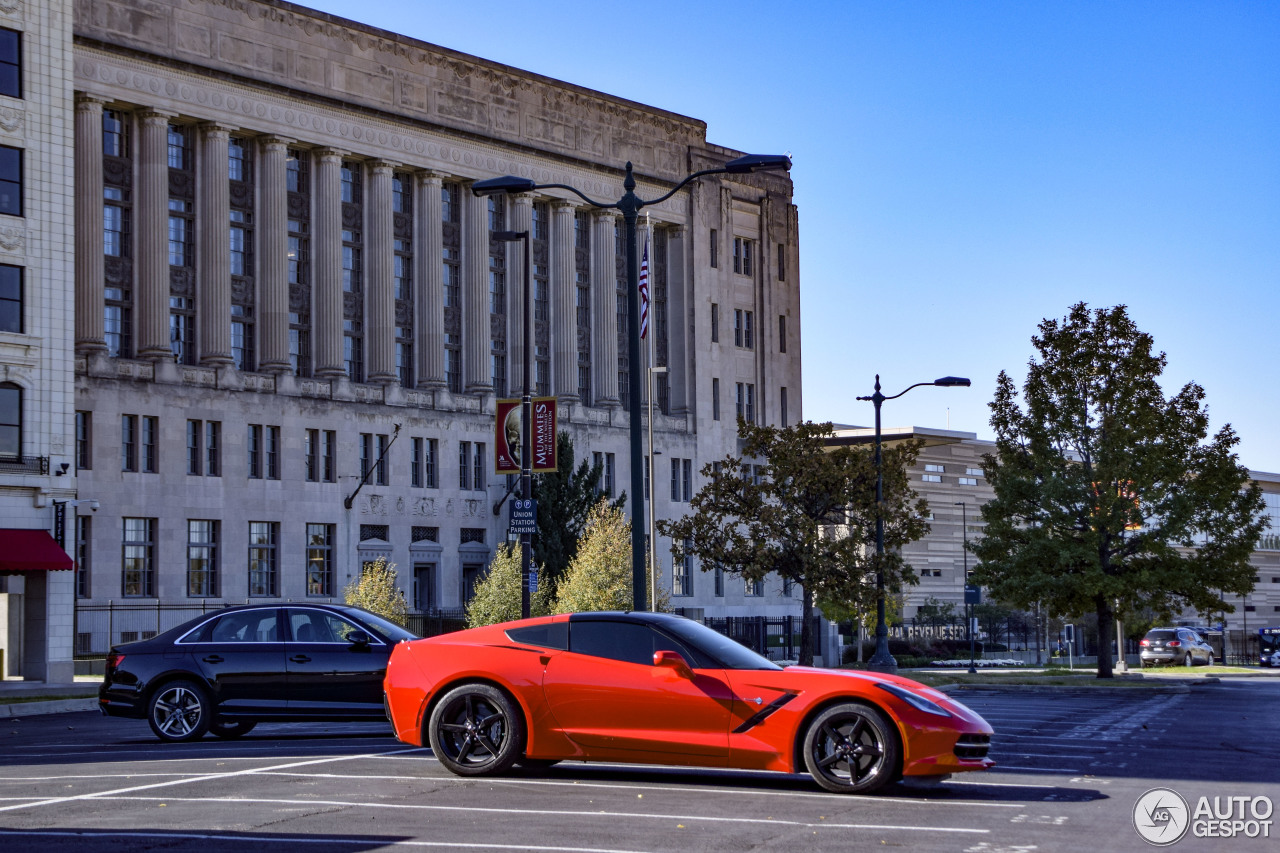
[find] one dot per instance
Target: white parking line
(210, 776)
(302, 839)
(549, 812)
(733, 792)
(1041, 769)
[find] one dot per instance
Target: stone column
(327, 252)
(679, 321)
(476, 338)
(380, 305)
(272, 229)
(428, 269)
(522, 220)
(213, 261)
(152, 221)
(604, 309)
(88, 227)
(564, 315)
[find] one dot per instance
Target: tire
(475, 730)
(1188, 660)
(852, 749)
(231, 729)
(179, 711)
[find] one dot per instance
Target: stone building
(328, 290)
(36, 380)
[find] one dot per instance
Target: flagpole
(652, 496)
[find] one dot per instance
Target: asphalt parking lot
(1071, 768)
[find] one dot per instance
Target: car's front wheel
(230, 729)
(180, 711)
(851, 749)
(476, 730)
(1188, 660)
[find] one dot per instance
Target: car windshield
(730, 653)
(1162, 635)
(386, 628)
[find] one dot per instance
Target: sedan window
(319, 626)
(253, 626)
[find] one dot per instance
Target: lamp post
(629, 206)
(653, 512)
(526, 416)
(968, 611)
(882, 661)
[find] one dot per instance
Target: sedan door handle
(300, 659)
(213, 659)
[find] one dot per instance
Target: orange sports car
(653, 688)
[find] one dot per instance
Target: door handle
(300, 659)
(213, 659)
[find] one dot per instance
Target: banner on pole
(507, 436)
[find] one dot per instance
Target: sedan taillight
(1173, 644)
(114, 659)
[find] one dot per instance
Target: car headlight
(914, 700)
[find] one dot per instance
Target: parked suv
(1178, 646)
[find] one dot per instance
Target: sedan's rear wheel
(851, 749)
(231, 728)
(476, 730)
(180, 711)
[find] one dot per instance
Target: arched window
(10, 421)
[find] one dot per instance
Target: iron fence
(775, 637)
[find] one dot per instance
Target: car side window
(624, 641)
(320, 626)
(252, 626)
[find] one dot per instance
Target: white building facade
(281, 274)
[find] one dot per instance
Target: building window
(647, 485)
(329, 467)
(478, 478)
(115, 231)
(241, 245)
(931, 478)
(139, 580)
(182, 329)
(681, 480)
(464, 465)
(742, 255)
(719, 582)
(782, 333)
(610, 474)
(311, 454)
(715, 323)
(366, 455)
(352, 350)
(179, 148)
(682, 572)
(968, 481)
(746, 401)
(320, 559)
(10, 63)
(715, 248)
(744, 329)
(415, 463)
(84, 529)
(352, 261)
(936, 469)
(179, 233)
(687, 480)
(84, 441)
(380, 473)
(10, 421)
(213, 449)
(242, 337)
(715, 399)
(973, 472)
(195, 448)
(128, 442)
(150, 444)
(782, 263)
(350, 182)
(237, 160)
(262, 558)
(675, 480)
(754, 589)
(782, 402)
(253, 451)
(114, 137)
(10, 180)
(202, 558)
(10, 296)
(430, 465)
(272, 436)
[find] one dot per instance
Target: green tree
(808, 514)
(599, 576)
(565, 497)
(935, 612)
(1106, 492)
(376, 590)
(496, 596)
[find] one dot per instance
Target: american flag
(644, 291)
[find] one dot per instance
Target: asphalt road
(1071, 768)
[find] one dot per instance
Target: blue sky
(964, 170)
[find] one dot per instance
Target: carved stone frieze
(182, 281)
(241, 290)
(241, 195)
(117, 172)
(12, 120)
(13, 239)
(352, 306)
(300, 301)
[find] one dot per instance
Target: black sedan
(225, 672)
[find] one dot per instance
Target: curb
(53, 706)
(1065, 688)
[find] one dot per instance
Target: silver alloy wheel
(179, 712)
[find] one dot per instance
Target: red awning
(31, 551)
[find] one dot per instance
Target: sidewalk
(28, 698)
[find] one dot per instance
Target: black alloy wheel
(229, 729)
(476, 730)
(179, 711)
(851, 749)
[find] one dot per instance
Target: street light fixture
(526, 417)
(629, 206)
(882, 661)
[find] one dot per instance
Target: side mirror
(358, 638)
(673, 661)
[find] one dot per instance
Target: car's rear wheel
(229, 729)
(476, 730)
(851, 749)
(180, 711)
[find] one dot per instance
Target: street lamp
(629, 206)
(526, 417)
(968, 614)
(653, 511)
(882, 661)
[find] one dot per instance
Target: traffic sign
(523, 517)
